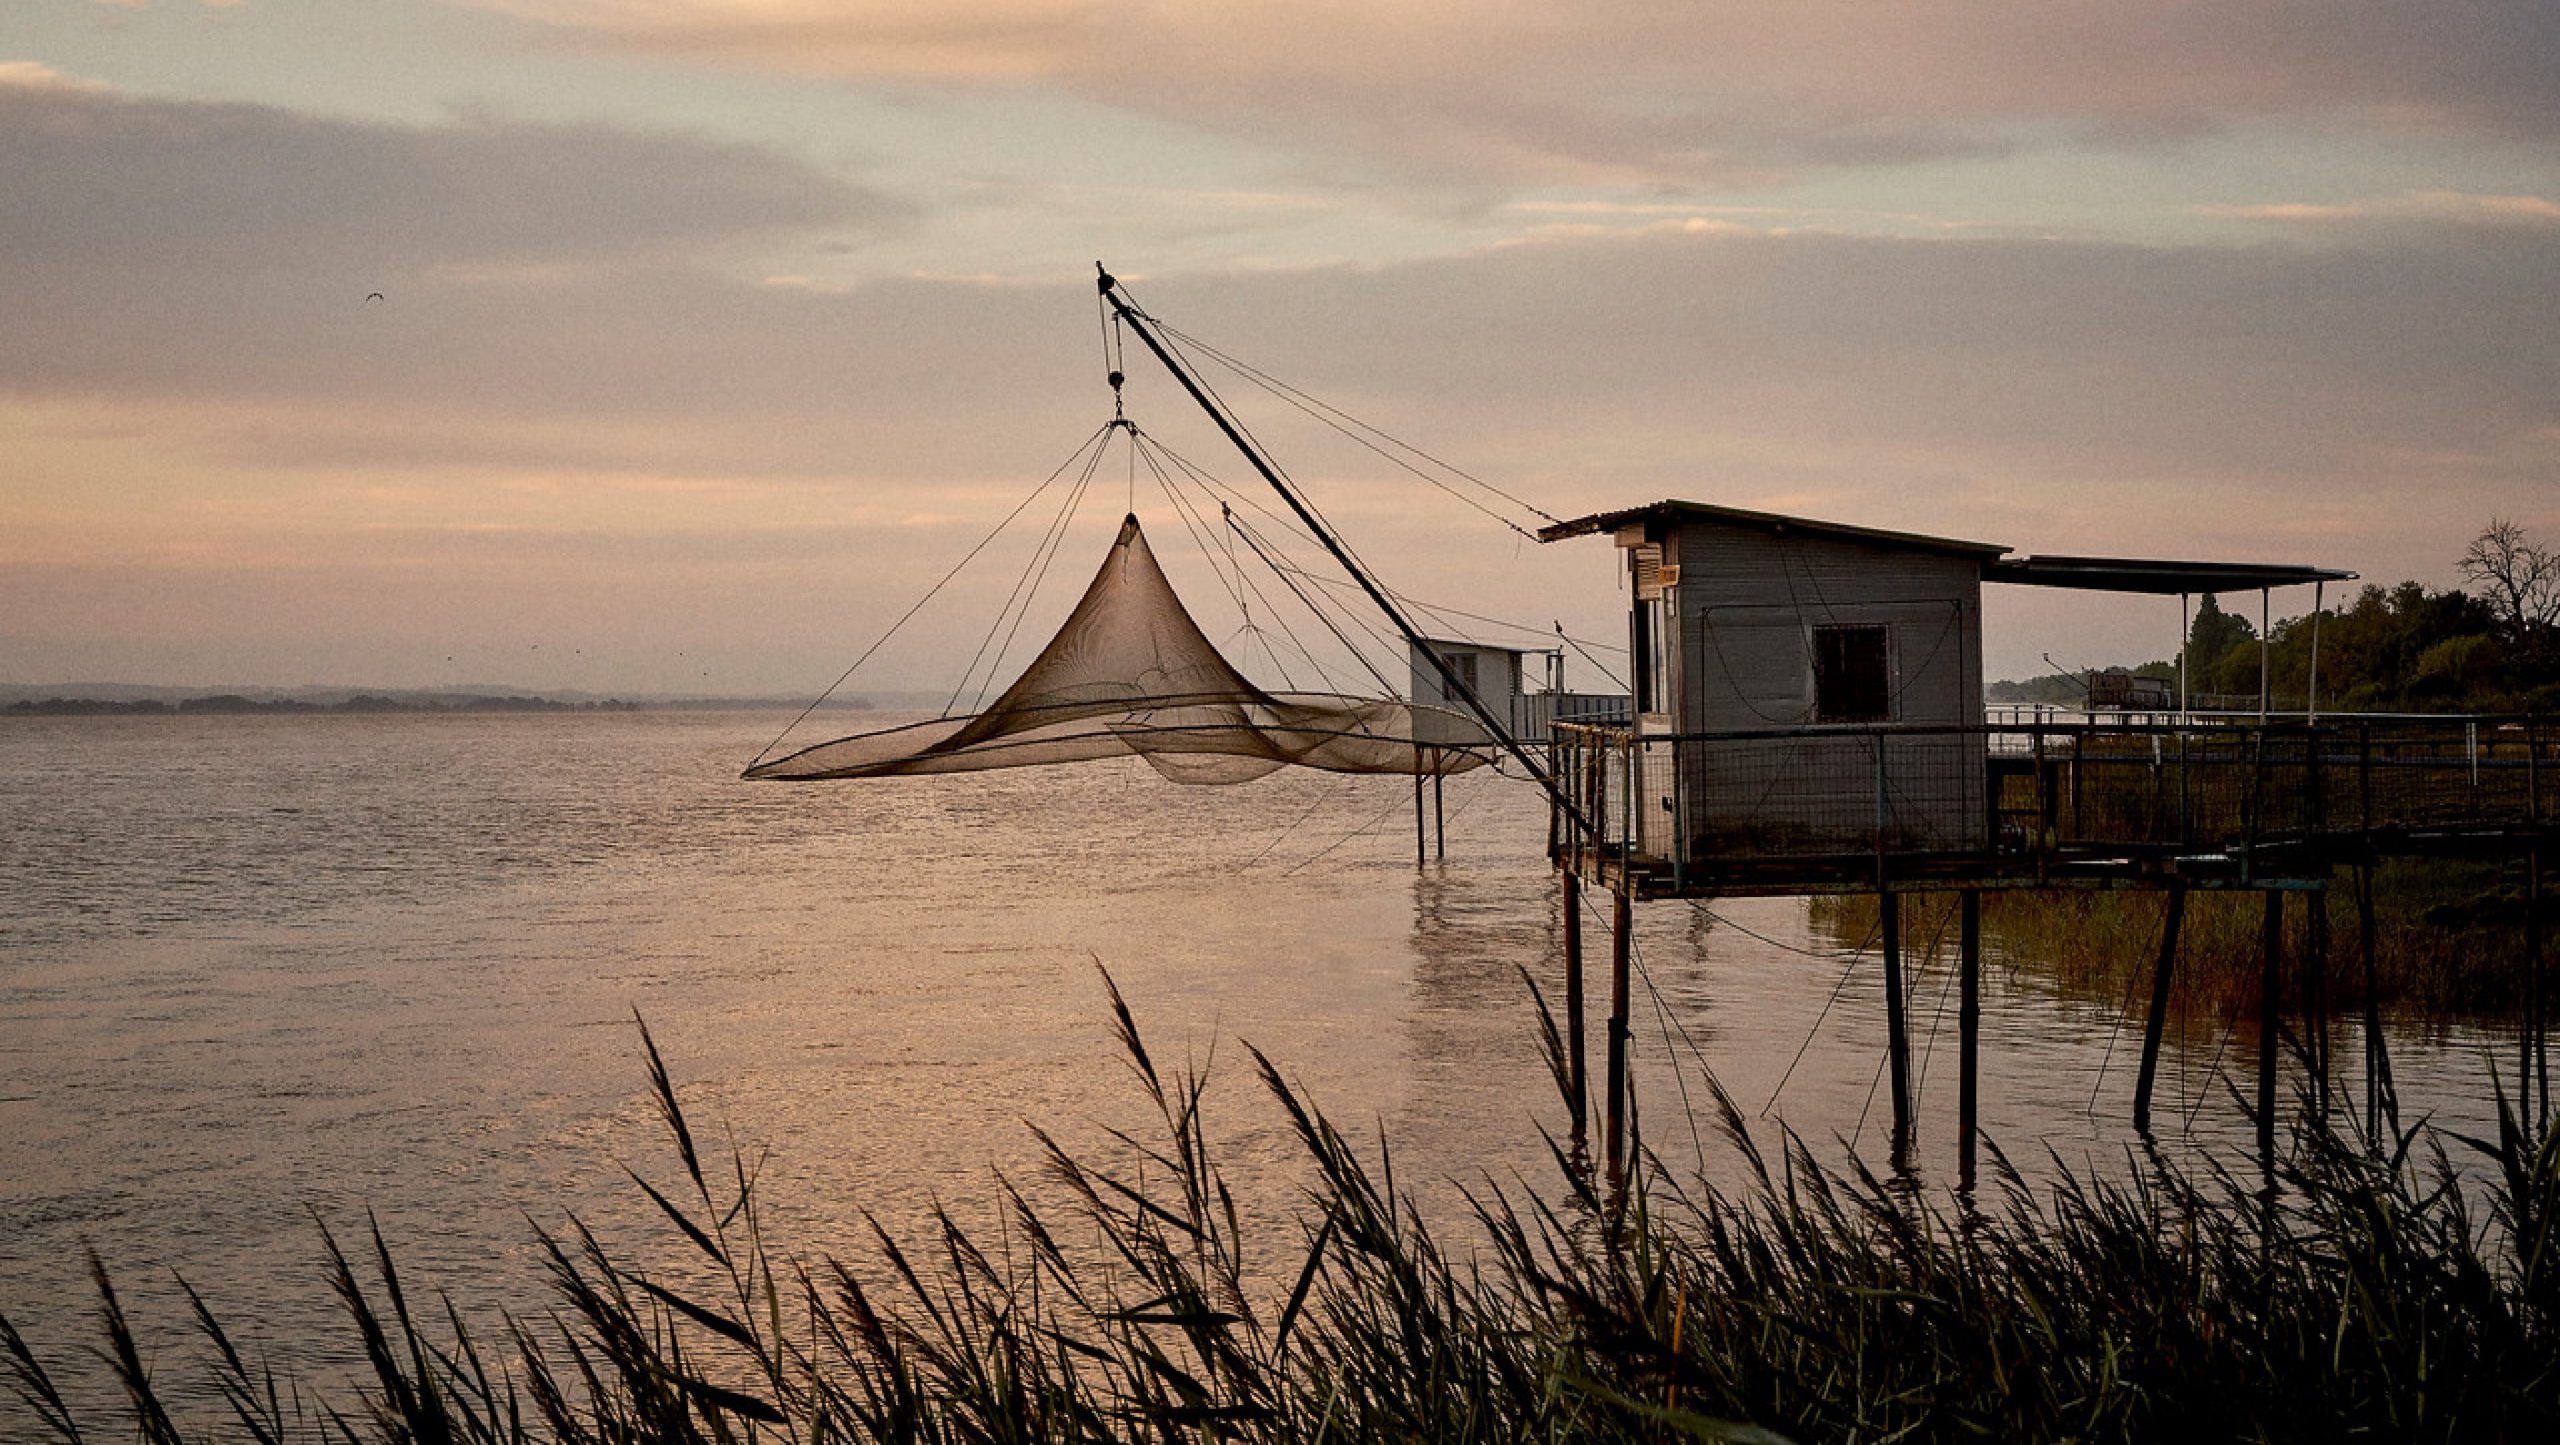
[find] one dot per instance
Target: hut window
(1852, 678)
(1464, 665)
(1653, 656)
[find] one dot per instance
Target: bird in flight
(373, 296)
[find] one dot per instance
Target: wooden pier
(2277, 808)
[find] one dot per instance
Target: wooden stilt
(2315, 1003)
(1968, 1034)
(1621, 946)
(1577, 1090)
(2537, 1085)
(2162, 972)
(1897, 1038)
(2270, 1017)
(2377, 1054)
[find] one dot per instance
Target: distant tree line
(2494, 647)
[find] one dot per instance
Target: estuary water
(262, 975)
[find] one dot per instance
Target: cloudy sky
(713, 331)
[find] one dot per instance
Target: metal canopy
(1764, 521)
(2145, 574)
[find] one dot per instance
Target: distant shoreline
(369, 704)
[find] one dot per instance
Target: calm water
(258, 969)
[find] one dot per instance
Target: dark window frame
(1853, 673)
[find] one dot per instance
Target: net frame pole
(1136, 320)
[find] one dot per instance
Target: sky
(711, 333)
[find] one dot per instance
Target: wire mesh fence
(2043, 787)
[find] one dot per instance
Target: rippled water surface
(257, 974)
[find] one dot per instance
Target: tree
(2211, 639)
(2520, 580)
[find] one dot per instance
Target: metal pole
(2161, 973)
(2311, 693)
(2186, 631)
(1454, 686)
(2266, 645)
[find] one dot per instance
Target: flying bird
(373, 296)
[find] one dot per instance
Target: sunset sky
(713, 331)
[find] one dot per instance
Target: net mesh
(1131, 672)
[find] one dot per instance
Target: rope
(1361, 433)
(970, 556)
(1033, 574)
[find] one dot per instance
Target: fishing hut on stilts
(1808, 719)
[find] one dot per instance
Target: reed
(2378, 1291)
(2448, 940)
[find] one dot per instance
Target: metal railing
(2048, 787)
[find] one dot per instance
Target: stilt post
(1577, 1089)
(2270, 1018)
(2315, 1003)
(2162, 972)
(2377, 1054)
(1968, 1033)
(2537, 1078)
(1621, 946)
(1897, 1038)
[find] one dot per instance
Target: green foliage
(2361, 1298)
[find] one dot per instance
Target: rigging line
(1327, 523)
(1037, 565)
(1228, 492)
(1198, 529)
(1321, 615)
(1601, 667)
(1938, 1018)
(1442, 609)
(1298, 822)
(956, 568)
(1312, 406)
(1366, 828)
(1848, 968)
(1190, 512)
(1664, 1021)
(1024, 587)
(2115, 1031)
(2212, 1071)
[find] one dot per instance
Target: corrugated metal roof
(2097, 574)
(1777, 522)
